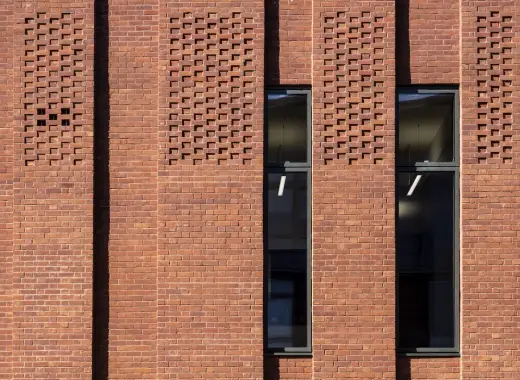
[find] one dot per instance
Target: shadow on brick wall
(402, 41)
(100, 275)
(403, 369)
(272, 42)
(271, 368)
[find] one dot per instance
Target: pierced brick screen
(354, 87)
(212, 88)
(494, 73)
(53, 80)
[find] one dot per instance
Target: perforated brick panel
(213, 88)
(354, 87)
(53, 80)
(494, 75)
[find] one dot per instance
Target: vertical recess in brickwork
(6, 188)
(290, 368)
(212, 91)
(210, 190)
(355, 87)
(490, 191)
(53, 190)
(133, 156)
(427, 368)
(288, 33)
(353, 190)
(427, 42)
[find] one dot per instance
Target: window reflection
(425, 128)
(287, 260)
(425, 244)
(287, 128)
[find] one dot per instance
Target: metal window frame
(288, 167)
(432, 167)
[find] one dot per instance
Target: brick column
(6, 187)
(353, 190)
(210, 190)
(490, 189)
(52, 207)
(133, 38)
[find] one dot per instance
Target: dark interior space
(101, 228)
(272, 42)
(272, 368)
(403, 368)
(402, 41)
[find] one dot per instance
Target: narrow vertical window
(287, 195)
(427, 221)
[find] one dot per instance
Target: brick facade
(131, 184)
(47, 190)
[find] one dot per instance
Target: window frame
(433, 167)
(281, 168)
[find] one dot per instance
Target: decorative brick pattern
(354, 87)
(213, 88)
(53, 80)
(494, 76)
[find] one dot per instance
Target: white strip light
(282, 185)
(414, 185)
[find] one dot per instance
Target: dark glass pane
(425, 259)
(287, 260)
(425, 128)
(286, 128)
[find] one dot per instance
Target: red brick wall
(428, 368)
(6, 187)
(210, 255)
(288, 42)
(185, 184)
(428, 34)
(52, 189)
(133, 74)
(353, 190)
(490, 189)
(290, 368)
